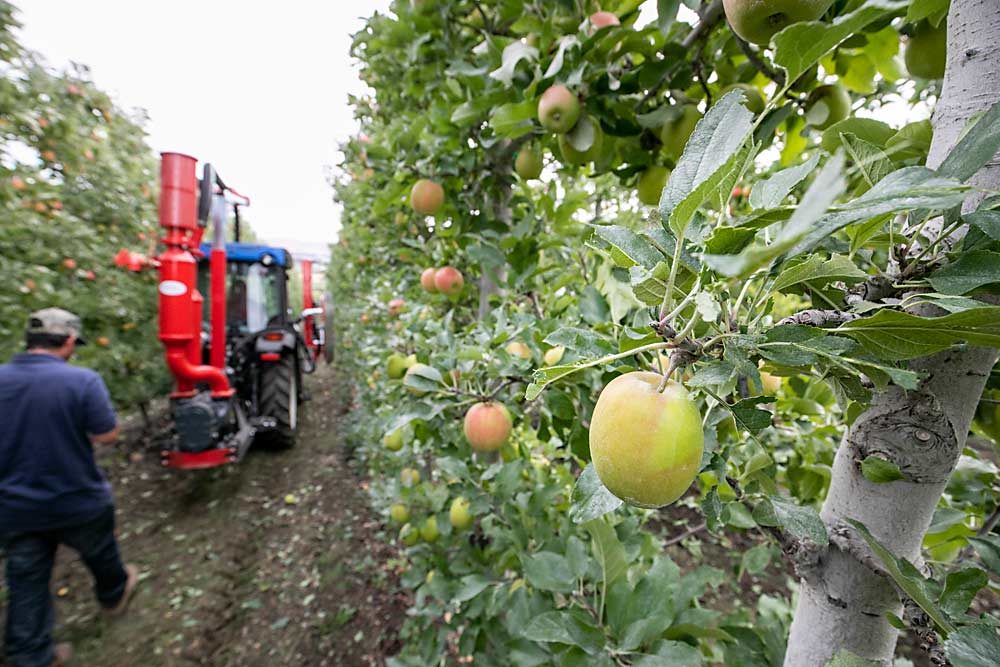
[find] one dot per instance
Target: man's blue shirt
(48, 475)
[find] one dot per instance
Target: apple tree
(77, 183)
(722, 255)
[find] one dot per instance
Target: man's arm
(106, 438)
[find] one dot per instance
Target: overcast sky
(259, 89)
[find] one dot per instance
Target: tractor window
(253, 298)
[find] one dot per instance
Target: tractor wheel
(279, 398)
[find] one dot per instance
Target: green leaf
(898, 336)
(628, 247)
(799, 521)
(906, 577)
(927, 9)
(583, 134)
(666, 14)
(814, 269)
(824, 190)
(973, 646)
(971, 270)
(870, 160)
(608, 550)
(548, 571)
(912, 142)
(710, 154)
(800, 46)
(423, 378)
(976, 147)
(650, 286)
(471, 586)
(845, 658)
(756, 559)
(565, 43)
(867, 129)
(771, 192)
(670, 654)
(748, 417)
(564, 628)
(905, 189)
(513, 53)
(641, 615)
(988, 222)
(988, 549)
(591, 499)
(878, 470)
(959, 589)
(513, 120)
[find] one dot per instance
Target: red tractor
(238, 359)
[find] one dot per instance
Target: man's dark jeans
(30, 557)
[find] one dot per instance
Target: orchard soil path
(275, 561)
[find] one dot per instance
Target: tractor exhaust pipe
(180, 302)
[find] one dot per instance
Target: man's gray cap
(57, 322)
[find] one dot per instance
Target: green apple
(651, 184)
(487, 426)
(554, 355)
(927, 50)
(399, 513)
(396, 366)
(558, 109)
(429, 530)
(572, 156)
(646, 445)
(459, 514)
(757, 21)
(827, 105)
(528, 164)
(753, 100)
(675, 133)
(409, 535)
(393, 440)
(409, 477)
(426, 197)
(518, 349)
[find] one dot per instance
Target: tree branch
(820, 318)
(759, 63)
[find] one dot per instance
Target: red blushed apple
(448, 280)
(396, 306)
(426, 197)
(487, 426)
(603, 20)
(427, 280)
(558, 109)
(646, 445)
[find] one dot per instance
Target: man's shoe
(63, 654)
(130, 584)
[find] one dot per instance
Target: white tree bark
(842, 602)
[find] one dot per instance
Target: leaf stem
(668, 296)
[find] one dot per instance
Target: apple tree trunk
(842, 605)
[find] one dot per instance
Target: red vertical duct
(307, 302)
(180, 302)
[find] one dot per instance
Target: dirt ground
(274, 561)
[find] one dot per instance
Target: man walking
(51, 490)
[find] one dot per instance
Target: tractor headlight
(267, 260)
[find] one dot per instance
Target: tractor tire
(279, 398)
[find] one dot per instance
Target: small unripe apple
(409, 477)
(396, 306)
(554, 355)
(757, 21)
(18, 183)
(572, 156)
(427, 280)
(827, 105)
(429, 530)
(395, 366)
(651, 184)
(459, 514)
(753, 100)
(399, 513)
(518, 349)
(675, 133)
(426, 197)
(487, 426)
(772, 383)
(528, 164)
(603, 20)
(393, 440)
(646, 445)
(411, 360)
(448, 280)
(927, 51)
(558, 109)
(409, 535)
